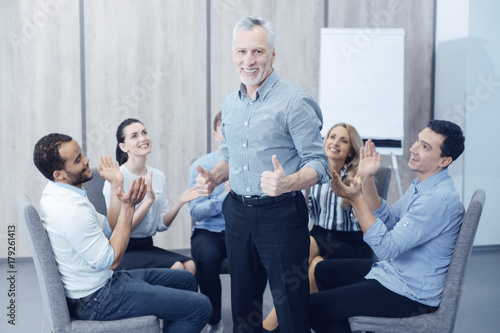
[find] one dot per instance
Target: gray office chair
(382, 181)
(53, 297)
(94, 192)
(443, 320)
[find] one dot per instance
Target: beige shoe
(219, 328)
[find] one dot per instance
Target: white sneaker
(219, 328)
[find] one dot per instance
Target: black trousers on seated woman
(344, 292)
(141, 253)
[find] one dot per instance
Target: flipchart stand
(396, 173)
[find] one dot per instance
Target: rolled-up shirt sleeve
(305, 124)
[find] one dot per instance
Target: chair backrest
(382, 181)
(53, 296)
(452, 291)
(94, 192)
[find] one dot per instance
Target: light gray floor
(478, 311)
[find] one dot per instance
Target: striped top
(325, 211)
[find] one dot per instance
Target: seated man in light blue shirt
(208, 245)
(414, 238)
(85, 257)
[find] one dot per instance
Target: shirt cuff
(108, 259)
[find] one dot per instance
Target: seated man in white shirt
(85, 256)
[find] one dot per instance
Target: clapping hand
(369, 160)
(135, 193)
(150, 194)
(342, 190)
(189, 195)
(110, 171)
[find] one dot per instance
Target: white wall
(467, 91)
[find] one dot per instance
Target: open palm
(369, 160)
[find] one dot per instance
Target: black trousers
(344, 292)
(209, 250)
(268, 241)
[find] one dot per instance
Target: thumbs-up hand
(204, 182)
(276, 182)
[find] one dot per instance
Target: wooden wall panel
(147, 60)
(417, 19)
(39, 94)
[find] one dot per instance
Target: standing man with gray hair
(272, 150)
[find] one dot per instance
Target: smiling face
(136, 142)
(425, 154)
(338, 146)
(76, 167)
(253, 57)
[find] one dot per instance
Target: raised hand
(189, 195)
(369, 160)
(109, 170)
(274, 183)
(342, 190)
(150, 194)
(205, 182)
(135, 193)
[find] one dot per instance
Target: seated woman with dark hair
(153, 214)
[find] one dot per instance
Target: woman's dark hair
(46, 154)
(122, 156)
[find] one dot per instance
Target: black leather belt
(256, 200)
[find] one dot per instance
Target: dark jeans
(169, 294)
(344, 292)
(271, 240)
(209, 250)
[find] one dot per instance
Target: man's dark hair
(454, 140)
(46, 154)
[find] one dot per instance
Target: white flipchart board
(362, 83)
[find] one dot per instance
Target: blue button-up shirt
(415, 238)
(283, 120)
(207, 211)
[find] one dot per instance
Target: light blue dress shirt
(207, 211)
(415, 238)
(283, 120)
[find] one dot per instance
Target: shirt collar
(80, 191)
(264, 88)
(431, 181)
